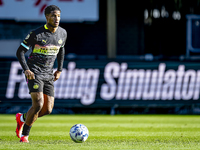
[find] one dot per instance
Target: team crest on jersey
(35, 86)
(60, 41)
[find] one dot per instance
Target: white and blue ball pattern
(79, 133)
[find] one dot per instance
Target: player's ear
(46, 16)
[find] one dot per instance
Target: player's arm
(23, 48)
(60, 60)
(21, 57)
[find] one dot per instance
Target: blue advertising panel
(91, 83)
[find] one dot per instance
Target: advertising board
(104, 84)
(33, 10)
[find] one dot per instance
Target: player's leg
(47, 106)
(37, 104)
(34, 86)
(41, 107)
(32, 114)
(42, 104)
(48, 92)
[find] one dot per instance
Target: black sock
(24, 116)
(26, 130)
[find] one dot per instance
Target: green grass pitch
(125, 132)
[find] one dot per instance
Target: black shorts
(42, 83)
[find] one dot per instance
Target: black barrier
(104, 84)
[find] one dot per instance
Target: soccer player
(47, 43)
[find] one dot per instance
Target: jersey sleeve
(20, 55)
(65, 38)
(29, 41)
(60, 58)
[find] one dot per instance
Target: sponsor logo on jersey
(46, 50)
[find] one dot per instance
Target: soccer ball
(79, 133)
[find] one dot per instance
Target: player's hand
(29, 74)
(57, 75)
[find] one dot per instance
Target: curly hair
(50, 8)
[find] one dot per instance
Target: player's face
(53, 19)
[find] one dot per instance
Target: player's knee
(38, 107)
(48, 111)
(37, 101)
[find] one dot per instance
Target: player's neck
(51, 28)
